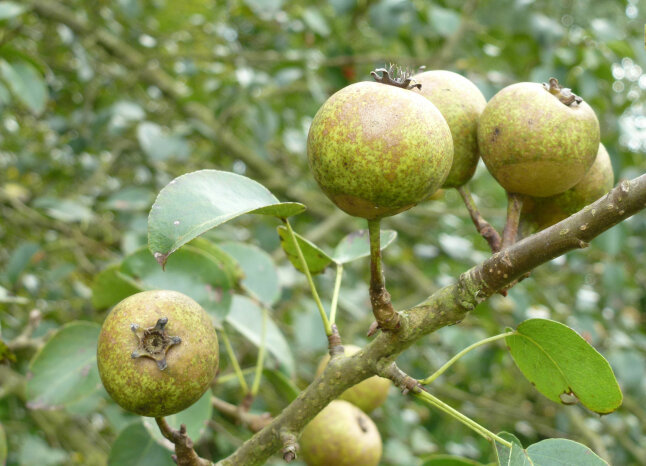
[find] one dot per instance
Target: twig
(234, 361)
(184, 453)
(385, 315)
(254, 422)
(310, 281)
(483, 227)
(451, 361)
(514, 207)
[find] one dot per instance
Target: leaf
(35, 451)
(282, 384)
(560, 363)
(65, 210)
(317, 259)
(228, 263)
(191, 271)
(110, 286)
(196, 202)
(195, 418)
(135, 447)
(65, 370)
(560, 451)
(26, 83)
(503, 453)
(11, 10)
(246, 317)
(158, 144)
(316, 22)
(19, 260)
(258, 268)
(357, 245)
(443, 20)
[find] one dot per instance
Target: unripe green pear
(377, 150)
(540, 213)
(157, 353)
(368, 394)
(461, 103)
(341, 435)
(538, 140)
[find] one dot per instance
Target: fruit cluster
(379, 148)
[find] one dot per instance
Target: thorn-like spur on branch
(184, 453)
(483, 227)
(290, 447)
(335, 347)
(405, 382)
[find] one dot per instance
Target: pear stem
(385, 315)
(514, 207)
(488, 232)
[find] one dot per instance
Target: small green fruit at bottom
(368, 394)
(461, 103)
(341, 435)
(540, 213)
(376, 149)
(157, 353)
(538, 140)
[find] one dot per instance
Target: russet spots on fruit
(376, 150)
(461, 103)
(142, 331)
(538, 140)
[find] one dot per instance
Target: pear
(461, 103)
(368, 394)
(377, 149)
(541, 213)
(538, 140)
(341, 435)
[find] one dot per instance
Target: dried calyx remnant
(564, 94)
(153, 342)
(395, 76)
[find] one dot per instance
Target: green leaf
(195, 418)
(449, 460)
(65, 210)
(35, 451)
(135, 447)
(518, 456)
(259, 271)
(228, 263)
(191, 271)
(65, 370)
(158, 144)
(26, 83)
(316, 22)
(443, 20)
(110, 286)
(19, 260)
(560, 363)
(560, 451)
(11, 10)
(317, 259)
(283, 385)
(196, 202)
(246, 318)
(357, 245)
(503, 453)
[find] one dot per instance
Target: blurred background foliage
(104, 102)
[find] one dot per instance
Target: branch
(184, 453)
(483, 227)
(254, 422)
(447, 306)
